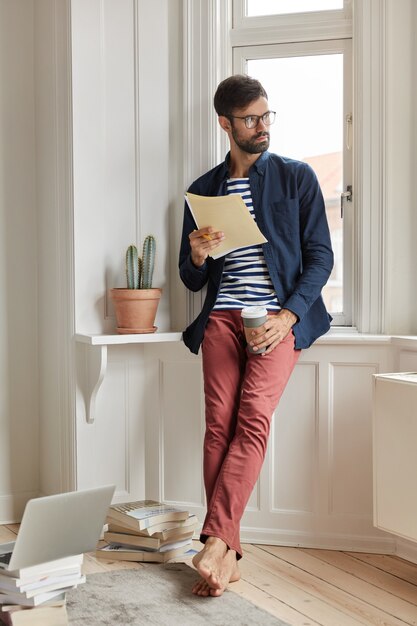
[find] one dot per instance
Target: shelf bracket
(96, 366)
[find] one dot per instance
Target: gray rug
(161, 595)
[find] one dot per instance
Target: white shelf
(112, 340)
(96, 357)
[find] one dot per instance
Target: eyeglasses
(252, 121)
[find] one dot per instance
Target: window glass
(280, 7)
(307, 94)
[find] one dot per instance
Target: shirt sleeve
(194, 278)
(316, 249)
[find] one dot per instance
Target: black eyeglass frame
(266, 115)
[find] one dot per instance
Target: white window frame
(241, 54)
(207, 60)
(335, 24)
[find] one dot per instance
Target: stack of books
(37, 595)
(147, 531)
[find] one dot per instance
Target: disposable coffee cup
(253, 317)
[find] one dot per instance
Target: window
(279, 7)
(309, 85)
(208, 59)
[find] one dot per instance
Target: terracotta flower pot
(135, 309)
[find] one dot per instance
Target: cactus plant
(148, 262)
(136, 306)
(139, 271)
(132, 267)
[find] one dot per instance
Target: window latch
(346, 195)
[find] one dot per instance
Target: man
(286, 275)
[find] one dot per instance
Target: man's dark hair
(237, 92)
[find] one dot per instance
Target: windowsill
(343, 335)
(115, 339)
(336, 335)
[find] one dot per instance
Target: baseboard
(13, 505)
(406, 549)
(328, 541)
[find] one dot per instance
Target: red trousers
(241, 391)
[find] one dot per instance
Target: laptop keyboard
(5, 558)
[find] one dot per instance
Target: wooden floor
(306, 587)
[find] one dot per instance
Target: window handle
(349, 123)
(345, 195)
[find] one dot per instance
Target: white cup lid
(250, 312)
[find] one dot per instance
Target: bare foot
(209, 561)
(217, 567)
(229, 573)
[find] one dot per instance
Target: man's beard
(251, 146)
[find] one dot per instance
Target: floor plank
(389, 563)
(6, 535)
(264, 600)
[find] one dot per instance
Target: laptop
(58, 526)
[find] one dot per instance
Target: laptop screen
(61, 525)
(5, 558)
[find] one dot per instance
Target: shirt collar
(259, 165)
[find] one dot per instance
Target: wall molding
(207, 60)
(12, 506)
(66, 242)
(53, 93)
(369, 117)
(406, 549)
(324, 541)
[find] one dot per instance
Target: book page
(142, 509)
(228, 214)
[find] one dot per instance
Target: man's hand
(202, 243)
(275, 329)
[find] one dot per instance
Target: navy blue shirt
(290, 212)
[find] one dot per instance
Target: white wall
(52, 65)
(19, 416)
(127, 179)
(122, 94)
(400, 153)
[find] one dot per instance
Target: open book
(228, 214)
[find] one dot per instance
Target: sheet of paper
(228, 214)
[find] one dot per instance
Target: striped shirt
(245, 280)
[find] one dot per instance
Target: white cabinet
(395, 454)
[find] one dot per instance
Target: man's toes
(205, 591)
(201, 588)
(216, 592)
(196, 587)
(214, 582)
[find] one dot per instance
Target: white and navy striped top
(245, 280)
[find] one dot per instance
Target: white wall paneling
(112, 448)
(400, 261)
(53, 117)
(295, 443)
(121, 148)
(104, 131)
(175, 424)
(207, 60)
(316, 484)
